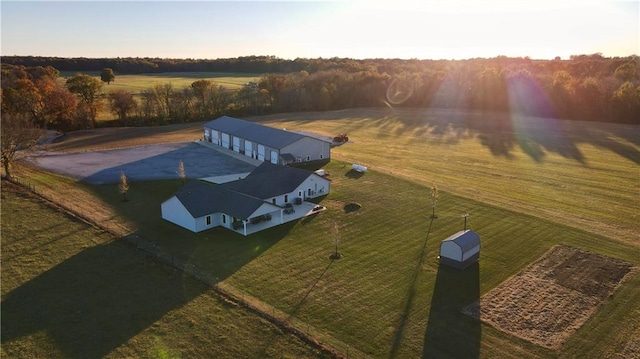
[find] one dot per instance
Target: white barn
(267, 197)
(461, 249)
(265, 143)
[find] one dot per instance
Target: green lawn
(527, 185)
(70, 291)
(179, 80)
(387, 296)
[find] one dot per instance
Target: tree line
(586, 87)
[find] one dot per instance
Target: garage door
(274, 157)
(236, 144)
(225, 140)
(215, 138)
(261, 152)
(248, 149)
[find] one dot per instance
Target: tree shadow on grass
(95, 301)
(449, 332)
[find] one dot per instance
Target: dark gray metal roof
(466, 240)
(269, 180)
(203, 198)
(265, 135)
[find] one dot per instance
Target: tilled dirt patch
(550, 299)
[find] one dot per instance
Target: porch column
(244, 224)
(281, 216)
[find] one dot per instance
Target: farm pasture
(387, 296)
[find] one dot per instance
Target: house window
(273, 200)
(308, 158)
(321, 156)
(224, 218)
(309, 192)
(286, 198)
(208, 219)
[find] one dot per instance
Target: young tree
(107, 75)
(89, 90)
(336, 240)
(181, 173)
(122, 104)
(434, 199)
(18, 134)
(123, 187)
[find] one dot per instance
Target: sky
(359, 29)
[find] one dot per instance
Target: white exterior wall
(466, 255)
(318, 185)
(201, 222)
(308, 147)
(174, 212)
(451, 250)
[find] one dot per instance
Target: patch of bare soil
(550, 299)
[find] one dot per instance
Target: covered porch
(272, 219)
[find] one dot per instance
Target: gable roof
(466, 240)
(265, 135)
(269, 180)
(203, 198)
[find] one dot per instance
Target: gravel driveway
(142, 163)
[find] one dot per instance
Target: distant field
(179, 80)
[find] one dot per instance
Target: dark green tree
(89, 90)
(107, 75)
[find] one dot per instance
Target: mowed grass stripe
(70, 290)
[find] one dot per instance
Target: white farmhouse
(461, 249)
(270, 195)
(265, 143)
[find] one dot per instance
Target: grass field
(179, 80)
(70, 290)
(136, 83)
(387, 297)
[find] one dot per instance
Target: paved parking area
(143, 163)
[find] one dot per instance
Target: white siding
(475, 250)
(451, 250)
(174, 212)
(313, 186)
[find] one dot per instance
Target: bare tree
(17, 136)
(123, 187)
(434, 199)
(336, 240)
(122, 104)
(181, 172)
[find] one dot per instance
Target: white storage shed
(461, 249)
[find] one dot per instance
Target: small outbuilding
(461, 249)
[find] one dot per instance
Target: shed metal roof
(265, 135)
(466, 240)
